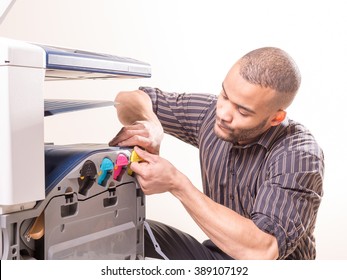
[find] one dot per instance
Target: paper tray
(58, 106)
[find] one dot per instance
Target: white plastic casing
(22, 76)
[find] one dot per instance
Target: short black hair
(273, 68)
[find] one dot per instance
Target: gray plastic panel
(112, 243)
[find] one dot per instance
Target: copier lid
(63, 63)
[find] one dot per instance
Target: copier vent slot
(139, 194)
(112, 199)
(87, 177)
(70, 208)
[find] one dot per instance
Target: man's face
(244, 111)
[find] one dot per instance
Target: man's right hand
(145, 134)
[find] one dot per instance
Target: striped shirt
(277, 181)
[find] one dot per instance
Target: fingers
(141, 168)
(135, 166)
(146, 156)
(142, 133)
(130, 136)
(136, 140)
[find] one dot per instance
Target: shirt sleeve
(287, 202)
(181, 115)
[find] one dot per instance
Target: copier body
(47, 211)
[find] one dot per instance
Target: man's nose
(226, 112)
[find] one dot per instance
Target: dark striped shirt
(277, 182)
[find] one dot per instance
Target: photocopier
(78, 201)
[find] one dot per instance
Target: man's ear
(279, 116)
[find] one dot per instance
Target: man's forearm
(134, 106)
(237, 236)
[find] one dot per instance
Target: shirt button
(231, 197)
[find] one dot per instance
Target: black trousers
(178, 245)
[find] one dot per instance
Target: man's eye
(243, 112)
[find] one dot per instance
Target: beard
(239, 136)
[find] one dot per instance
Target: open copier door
(93, 208)
(78, 201)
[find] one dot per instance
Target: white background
(191, 45)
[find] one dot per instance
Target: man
(262, 173)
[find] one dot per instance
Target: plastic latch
(105, 167)
(122, 160)
(134, 157)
